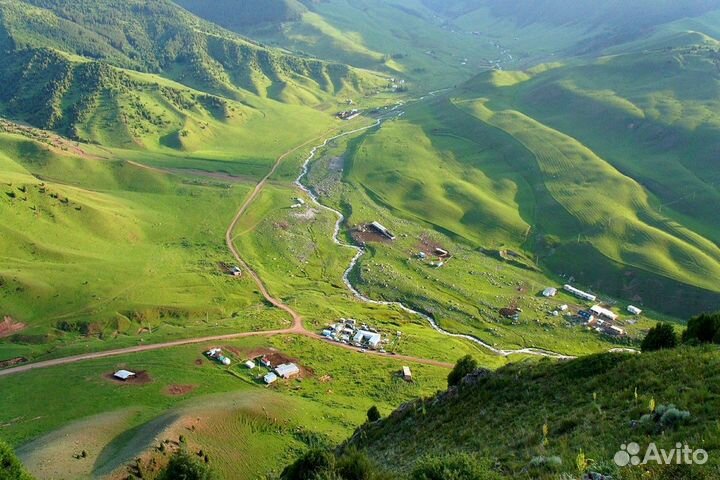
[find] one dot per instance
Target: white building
(270, 378)
(123, 374)
(287, 370)
(579, 293)
(603, 312)
(371, 338)
(549, 292)
(250, 364)
(634, 310)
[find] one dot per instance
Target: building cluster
(602, 320)
(283, 370)
(217, 355)
(348, 331)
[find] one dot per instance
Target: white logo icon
(680, 455)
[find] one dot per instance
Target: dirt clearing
(178, 390)
(10, 327)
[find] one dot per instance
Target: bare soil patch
(12, 362)
(429, 246)
(361, 236)
(141, 378)
(175, 390)
(10, 327)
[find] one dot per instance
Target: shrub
(10, 466)
(373, 414)
(664, 417)
(660, 337)
(355, 466)
(464, 366)
(546, 463)
(310, 465)
(183, 466)
(458, 466)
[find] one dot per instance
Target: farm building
(265, 362)
(250, 364)
(235, 271)
(549, 292)
(634, 310)
(123, 375)
(614, 330)
(287, 370)
(381, 229)
(603, 312)
(362, 337)
(579, 293)
(216, 354)
(270, 378)
(406, 374)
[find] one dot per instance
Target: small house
(603, 312)
(363, 337)
(406, 374)
(634, 310)
(381, 229)
(549, 292)
(265, 362)
(235, 271)
(123, 374)
(287, 370)
(250, 364)
(270, 378)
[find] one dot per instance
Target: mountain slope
(586, 405)
(161, 38)
(620, 194)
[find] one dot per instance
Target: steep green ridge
(586, 405)
(161, 38)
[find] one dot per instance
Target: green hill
(532, 420)
(619, 195)
(161, 38)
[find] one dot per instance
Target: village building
(270, 378)
(250, 364)
(603, 312)
(382, 230)
(364, 337)
(549, 292)
(579, 293)
(287, 370)
(123, 374)
(406, 374)
(634, 310)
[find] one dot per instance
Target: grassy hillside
(531, 420)
(162, 38)
(620, 195)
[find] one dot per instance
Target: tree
(10, 466)
(465, 366)
(704, 328)
(183, 466)
(659, 337)
(373, 414)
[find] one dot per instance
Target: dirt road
(297, 327)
